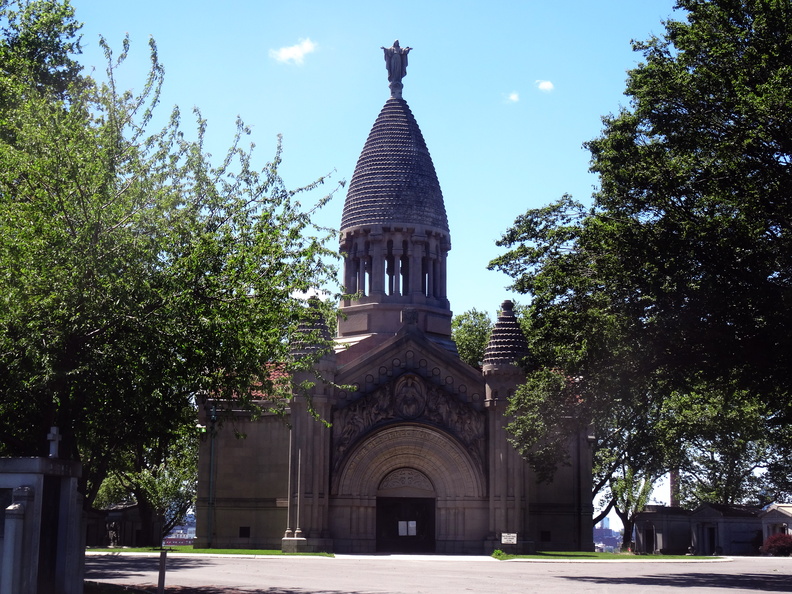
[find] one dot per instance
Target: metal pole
(162, 563)
(289, 532)
(297, 531)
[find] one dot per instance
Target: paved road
(398, 574)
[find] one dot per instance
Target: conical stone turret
(507, 344)
(506, 355)
(394, 233)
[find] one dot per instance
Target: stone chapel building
(417, 458)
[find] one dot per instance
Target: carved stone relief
(406, 477)
(408, 398)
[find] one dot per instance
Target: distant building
(417, 458)
(726, 529)
(181, 535)
(121, 525)
(710, 529)
(605, 539)
(776, 519)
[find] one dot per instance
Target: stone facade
(776, 519)
(415, 457)
(709, 529)
(41, 544)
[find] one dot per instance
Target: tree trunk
(629, 523)
(149, 534)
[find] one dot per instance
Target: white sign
(508, 538)
(408, 528)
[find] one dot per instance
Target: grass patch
(583, 555)
(189, 549)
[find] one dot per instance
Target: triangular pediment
(716, 510)
(408, 380)
(409, 351)
(408, 400)
(777, 513)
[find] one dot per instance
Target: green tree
(137, 276)
(677, 280)
(723, 447)
(630, 491)
(161, 478)
(38, 42)
(471, 331)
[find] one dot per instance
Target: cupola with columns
(394, 229)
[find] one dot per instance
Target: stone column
(377, 265)
(310, 483)
(431, 268)
(70, 563)
(442, 255)
(416, 255)
(11, 573)
(397, 264)
(507, 470)
(349, 267)
(360, 259)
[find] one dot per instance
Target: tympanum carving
(408, 398)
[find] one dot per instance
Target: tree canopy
(138, 277)
(671, 293)
(471, 332)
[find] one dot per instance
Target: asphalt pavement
(436, 574)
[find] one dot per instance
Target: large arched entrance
(408, 473)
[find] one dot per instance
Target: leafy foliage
(471, 331)
(37, 45)
(778, 545)
(661, 313)
(138, 277)
(160, 477)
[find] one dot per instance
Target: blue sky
(505, 93)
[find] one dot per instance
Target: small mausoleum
(776, 519)
(710, 529)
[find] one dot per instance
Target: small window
(244, 532)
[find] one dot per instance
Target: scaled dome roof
(507, 343)
(394, 181)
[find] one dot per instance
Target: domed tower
(394, 229)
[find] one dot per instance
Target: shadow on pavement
(112, 567)
(224, 590)
(745, 582)
(108, 567)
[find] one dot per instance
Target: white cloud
(293, 53)
(545, 86)
(513, 97)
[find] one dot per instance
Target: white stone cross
(54, 437)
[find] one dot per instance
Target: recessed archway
(436, 455)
